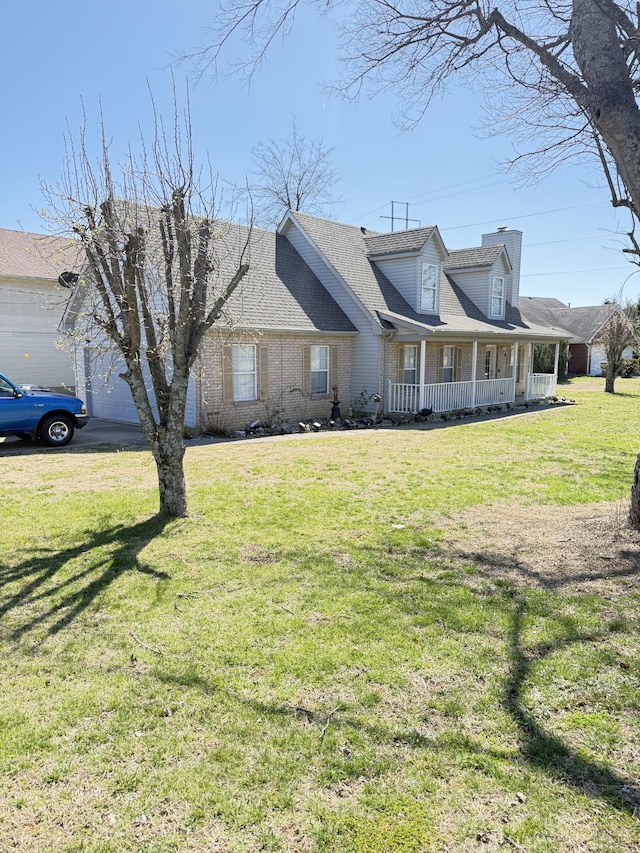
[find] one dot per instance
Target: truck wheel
(56, 431)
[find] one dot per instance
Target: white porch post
(528, 362)
(516, 366)
(423, 358)
(474, 370)
(555, 367)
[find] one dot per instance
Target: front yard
(376, 641)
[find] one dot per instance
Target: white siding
(366, 361)
(365, 367)
(476, 285)
(513, 241)
(29, 317)
(403, 273)
(349, 304)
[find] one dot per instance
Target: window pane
(244, 386)
(410, 364)
(244, 358)
(320, 370)
(429, 287)
(319, 383)
(244, 372)
(319, 358)
(497, 296)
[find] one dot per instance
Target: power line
(525, 215)
(571, 272)
(357, 219)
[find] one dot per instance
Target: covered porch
(518, 382)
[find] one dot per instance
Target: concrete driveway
(97, 433)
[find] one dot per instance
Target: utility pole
(393, 216)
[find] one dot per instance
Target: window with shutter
(409, 366)
(319, 366)
(239, 373)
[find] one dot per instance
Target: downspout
(384, 391)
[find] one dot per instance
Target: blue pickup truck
(32, 413)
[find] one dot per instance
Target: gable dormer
(412, 260)
(483, 273)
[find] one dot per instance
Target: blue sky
(56, 57)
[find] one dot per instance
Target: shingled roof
(345, 247)
(396, 242)
(479, 256)
(38, 256)
(583, 322)
(280, 292)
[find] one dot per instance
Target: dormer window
(429, 288)
(497, 296)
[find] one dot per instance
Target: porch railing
(540, 385)
(449, 396)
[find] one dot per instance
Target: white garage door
(598, 355)
(110, 397)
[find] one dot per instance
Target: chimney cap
(502, 228)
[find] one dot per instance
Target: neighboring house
(586, 325)
(332, 309)
(31, 307)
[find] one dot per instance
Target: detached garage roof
(25, 255)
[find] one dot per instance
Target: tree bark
(611, 101)
(634, 509)
(610, 378)
(169, 457)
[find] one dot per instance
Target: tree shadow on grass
(534, 746)
(547, 751)
(538, 747)
(51, 588)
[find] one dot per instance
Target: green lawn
(304, 664)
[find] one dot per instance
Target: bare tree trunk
(610, 378)
(169, 456)
(634, 508)
(166, 437)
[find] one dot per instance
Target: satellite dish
(68, 279)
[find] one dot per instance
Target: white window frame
(448, 363)
(410, 364)
(497, 298)
(429, 281)
(490, 361)
(320, 364)
(245, 374)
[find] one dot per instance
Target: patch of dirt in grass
(572, 548)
